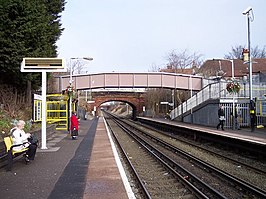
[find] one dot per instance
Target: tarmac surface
(57, 172)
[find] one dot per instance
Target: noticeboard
(43, 64)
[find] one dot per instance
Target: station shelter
(57, 110)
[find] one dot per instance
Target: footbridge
(130, 80)
(127, 81)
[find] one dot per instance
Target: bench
(11, 154)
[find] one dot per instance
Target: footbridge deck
(131, 80)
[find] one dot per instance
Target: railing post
(182, 110)
(196, 99)
(203, 96)
(219, 88)
(210, 93)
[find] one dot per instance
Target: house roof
(187, 71)
(212, 67)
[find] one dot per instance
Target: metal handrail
(216, 90)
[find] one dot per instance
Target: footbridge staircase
(203, 106)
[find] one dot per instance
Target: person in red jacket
(74, 127)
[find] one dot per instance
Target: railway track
(209, 148)
(154, 177)
(207, 180)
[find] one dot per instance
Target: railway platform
(86, 168)
(245, 134)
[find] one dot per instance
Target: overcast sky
(134, 35)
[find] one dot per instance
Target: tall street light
(247, 12)
(71, 81)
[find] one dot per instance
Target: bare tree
(183, 59)
(154, 68)
(77, 66)
(259, 53)
(153, 99)
(178, 62)
(236, 52)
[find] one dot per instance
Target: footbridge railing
(211, 91)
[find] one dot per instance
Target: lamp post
(252, 103)
(247, 13)
(244, 82)
(233, 77)
(191, 93)
(173, 103)
(233, 110)
(70, 83)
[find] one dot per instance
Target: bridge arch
(136, 101)
(133, 106)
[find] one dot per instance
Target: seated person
(19, 137)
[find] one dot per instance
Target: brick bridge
(135, 100)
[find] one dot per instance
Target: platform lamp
(71, 82)
(247, 13)
(191, 93)
(233, 78)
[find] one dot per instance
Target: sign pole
(43, 110)
(43, 65)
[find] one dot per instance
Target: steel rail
(191, 186)
(249, 187)
(144, 191)
(200, 147)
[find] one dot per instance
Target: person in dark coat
(221, 115)
(235, 116)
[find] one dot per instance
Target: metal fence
(242, 111)
(218, 90)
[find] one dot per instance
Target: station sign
(43, 64)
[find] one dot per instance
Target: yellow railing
(57, 110)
